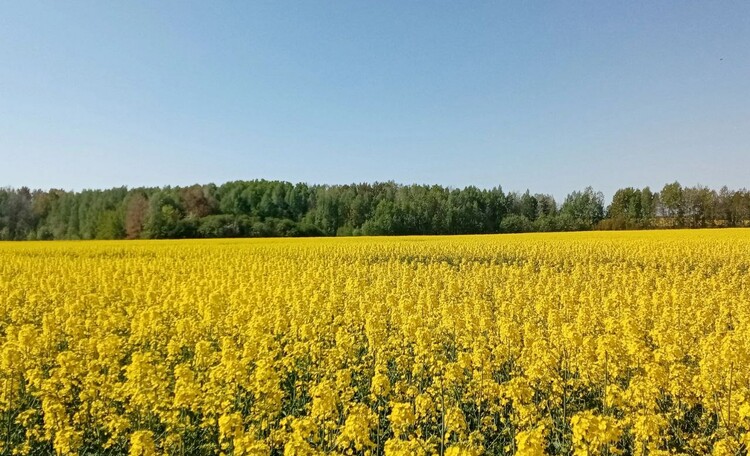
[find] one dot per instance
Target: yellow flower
(381, 386)
(455, 422)
(142, 444)
(402, 417)
(531, 442)
(357, 428)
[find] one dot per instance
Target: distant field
(585, 343)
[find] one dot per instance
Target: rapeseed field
(581, 343)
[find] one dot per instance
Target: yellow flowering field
(582, 343)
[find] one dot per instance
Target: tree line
(262, 208)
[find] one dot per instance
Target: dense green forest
(263, 208)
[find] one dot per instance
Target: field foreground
(585, 343)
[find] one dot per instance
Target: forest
(261, 208)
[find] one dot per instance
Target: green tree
(516, 224)
(585, 207)
(700, 207)
(164, 217)
(110, 225)
(672, 204)
(626, 210)
(529, 206)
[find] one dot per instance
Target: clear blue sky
(551, 96)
